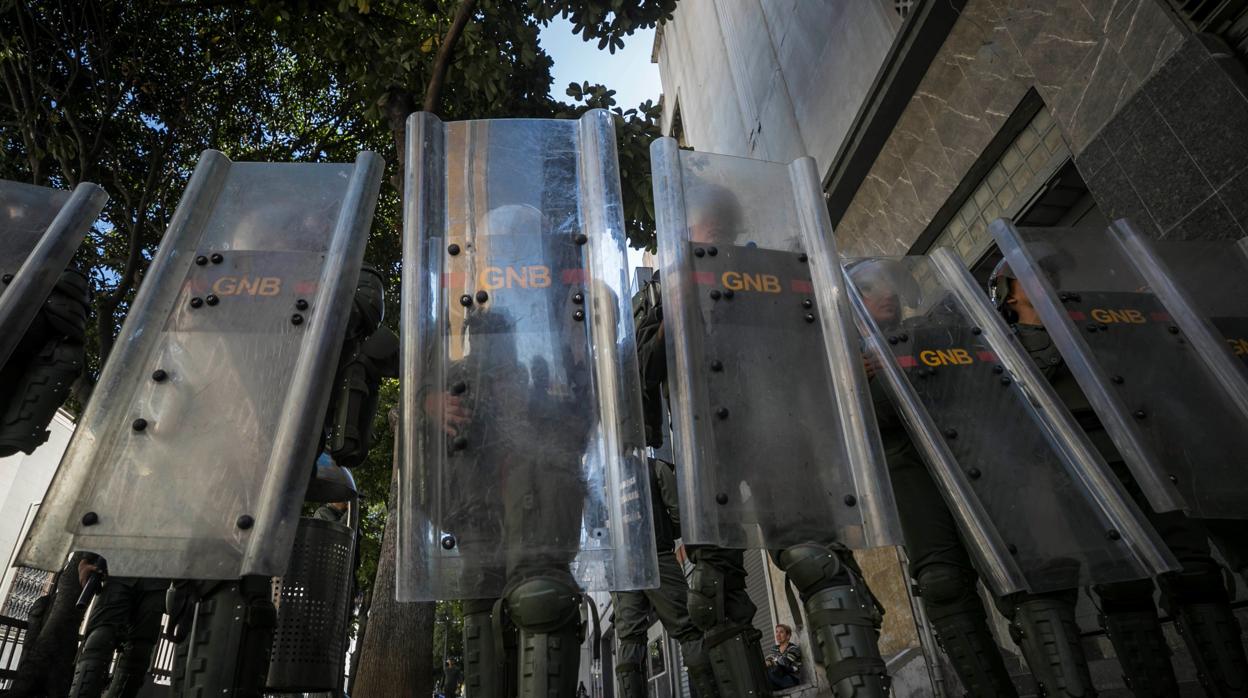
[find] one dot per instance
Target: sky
(629, 71)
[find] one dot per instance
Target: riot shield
(40, 229)
(193, 456)
(1037, 505)
(1160, 379)
(522, 437)
(774, 433)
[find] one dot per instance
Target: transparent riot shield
(1037, 505)
(522, 438)
(775, 437)
(40, 229)
(1213, 276)
(1156, 373)
(193, 456)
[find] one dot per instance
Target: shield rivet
(802, 257)
(850, 500)
(8, 278)
(1140, 414)
(482, 296)
(459, 443)
(90, 518)
(201, 260)
(973, 473)
(452, 249)
(808, 303)
(892, 339)
(1172, 329)
(721, 412)
(1117, 379)
(245, 522)
(1005, 380)
(1174, 479)
(904, 337)
(301, 304)
(465, 300)
(217, 258)
(1092, 327)
(459, 388)
(448, 542)
(139, 424)
(998, 368)
(578, 315)
(197, 302)
(712, 250)
(211, 299)
(976, 331)
(296, 319)
(699, 252)
(951, 433)
(810, 317)
(159, 375)
(715, 294)
(729, 293)
(721, 498)
(581, 238)
(1012, 548)
(1113, 534)
(717, 365)
(578, 298)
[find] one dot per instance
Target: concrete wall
(771, 79)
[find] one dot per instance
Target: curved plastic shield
(1161, 380)
(193, 456)
(40, 229)
(774, 431)
(522, 438)
(1038, 506)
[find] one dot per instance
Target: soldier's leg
(671, 603)
(842, 614)
(483, 675)
(632, 609)
(105, 630)
(227, 650)
(547, 611)
(1199, 596)
(1129, 618)
(722, 610)
(1044, 627)
(946, 581)
(144, 631)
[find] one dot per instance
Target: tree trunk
(396, 656)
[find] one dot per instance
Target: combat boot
(1142, 652)
(91, 669)
(961, 625)
(547, 612)
(843, 619)
(629, 672)
(1046, 632)
(1212, 634)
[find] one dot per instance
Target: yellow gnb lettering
(946, 357)
(247, 286)
(1239, 346)
(1123, 315)
(738, 281)
(514, 277)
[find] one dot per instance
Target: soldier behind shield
(1199, 595)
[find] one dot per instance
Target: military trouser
(1042, 625)
(224, 634)
(126, 617)
(1198, 597)
(632, 616)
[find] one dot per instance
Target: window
(1016, 173)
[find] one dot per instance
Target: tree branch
(442, 62)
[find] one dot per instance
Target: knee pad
(543, 604)
(99, 644)
(943, 586)
(812, 568)
(1203, 581)
(706, 597)
(1126, 597)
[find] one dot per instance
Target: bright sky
(628, 71)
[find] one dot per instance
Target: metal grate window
(1013, 173)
